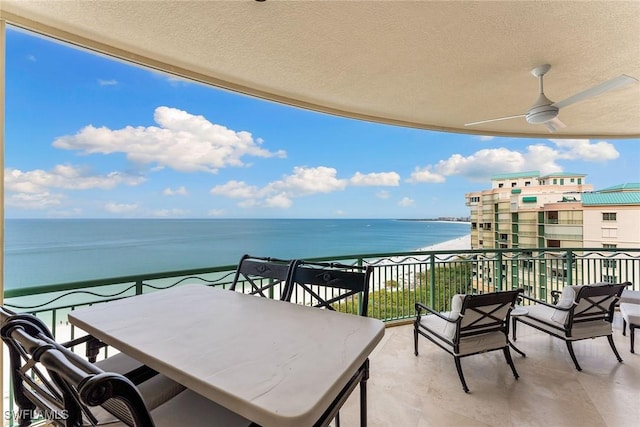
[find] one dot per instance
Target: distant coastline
(465, 220)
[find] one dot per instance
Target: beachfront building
(527, 210)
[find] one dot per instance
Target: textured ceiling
(425, 64)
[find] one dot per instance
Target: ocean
(51, 251)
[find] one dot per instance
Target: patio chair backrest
(483, 313)
(332, 286)
(52, 382)
(595, 303)
(267, 277)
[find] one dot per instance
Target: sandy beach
(461, 243)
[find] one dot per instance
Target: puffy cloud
(279, 194)
(121, 208)
(236, 190)
(309, 181)
(390, 179)
(182, 141)
(180, 191)
(406, 201)
(480, 165)
(425, 175)
(583, 149)
(216, 212)
(64, 177)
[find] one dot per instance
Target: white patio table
(273, 362)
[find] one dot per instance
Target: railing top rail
(44, 289)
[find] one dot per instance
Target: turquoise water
(49, 251)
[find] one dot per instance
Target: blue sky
(87, 136)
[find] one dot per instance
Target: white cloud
(111, 82)
(236, 190)
(182, 141)
(120, 208)
(391, 179)
(406, 201)
(425, 175)
(180, 191)
(64, 177)
(216, 212)
(33, 200)
(31, 58)
(541, 157)
(383, 194)
(583, 149)
(304, 180)
(279, 194)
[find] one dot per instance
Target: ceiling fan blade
(554, 124)
(614, 83)
(495, 120)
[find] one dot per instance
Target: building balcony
(407, 390)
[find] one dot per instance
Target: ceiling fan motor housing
(542, 111)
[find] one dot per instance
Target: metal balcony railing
(399, 280)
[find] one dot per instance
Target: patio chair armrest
(420, 307)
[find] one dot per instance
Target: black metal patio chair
(581, 312)
(53, 384)
(267, 277)
(337, 287)
(476, 324)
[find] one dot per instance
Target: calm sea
(49, 251)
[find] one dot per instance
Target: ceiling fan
(544, 111)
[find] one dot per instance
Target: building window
(573, 180)
(609, 263)
(579, 181)
(609, 245)
(609, 216)
(555, 181)
(561, 181)
(553, 243)
(527, 183)
(500, 185)
(552, 217)
(609, 279)
(513, 184)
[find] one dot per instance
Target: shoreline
(459, 243)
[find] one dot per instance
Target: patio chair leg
(624, 328)
(459, 368)
(507, 355)
(573, 356)
(415, 339)
(513, 328)
(613, 347)
(632, 332)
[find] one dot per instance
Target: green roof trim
(515, 175)
(563, 175)
(630, 186)
(529, 199)
(516, 191)
(622, 198)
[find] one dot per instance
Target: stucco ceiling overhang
(424, 64)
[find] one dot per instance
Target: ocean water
(51, 251)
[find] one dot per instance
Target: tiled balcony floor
(407, 391)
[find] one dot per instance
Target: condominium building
(532, 211)
(527, 210)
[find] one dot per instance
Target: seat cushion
(630, 296)
(541, 317)
(449, 330)
(630, 313)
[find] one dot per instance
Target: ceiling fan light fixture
(541, 114)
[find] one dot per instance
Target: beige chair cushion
(567, 299)
(449, 329)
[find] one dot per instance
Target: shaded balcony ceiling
(423, 64)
